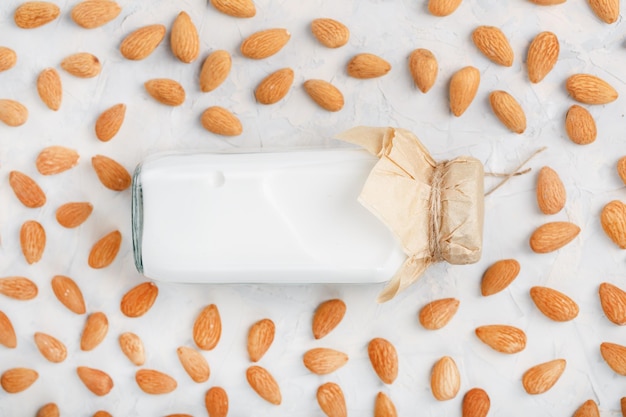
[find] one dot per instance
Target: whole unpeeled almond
(498, 276)
(26, 190)
(265, 43)
(615, 356)
(274, 87)
(32, 241)
(492, 42)
(13, 113)
(96, 381)
(327, 316)
(606, 10)
(91, 14)
(384, 407)
(445, 379)
(194, 364)
(443, 7)
(104, 251)
(476, 403)
(166, 91)
(552, 236)
(102, 413)
(551, 193)
(132, 347)
(424, 69)
(554, 304)
(588, 409)
(56, 159)
(18, 288)
(543, 53)
(613, 220)
(49, 410)
(502, 338)
(142, 42)
(366, 66)
(82, 65)
(331, 400)
(330, 33)
(220, 121)
(438, 313)
(110, 121)
(111, 173)
(216, 402)
(323, 361)
(155, 382)
(580, 126)
(18, 379)
(7, 332)
(73, 214)
(326, 95)
(138, 300)
(68, 293)
(508, 110)
(184, 39)
(542, 377)
(463, 87)
(235, 8)
(215, 70)
(94, 332)
(50, 88)
(50, 347)
(384, 359)
(589, 89)
(207, 329)
(260, 338)
(613, 301)
(8, 58)
(264, 384)
(621, 169)
(32, 14)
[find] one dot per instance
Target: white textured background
(391, 29)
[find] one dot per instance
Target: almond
(589, 89)
(327, 316)
(621, 169)
(445, 380)
(104, 251)
(443, 7)
(216, 402)
(606, 10)
(323, 361)
(110, 173)
(554, 304)
(139, 300)
(132, 347)
(7, 332)
(580, 126)
(18, 379)
(438, 313)
(142, 42)
(8, 58)
(220, 121)
(384, 359)
(508, 110)
(32, 14)
(68, 293)
(366, 66)
(50, 88)
(260, 338)
(96, 381)
(615, 356)
(166, 91)
(26, 190)
(623, 406)
(424, 68)
(94, 332)
(102, 413)
(33, 241)
(194, 364)
(613, 301)
(264, 384)
(543, 53)
(547, 2)
(613, 220)
(265, 43)
(18, 288)
(492, 42)
(207, 328)
(110, 121)
(184, 39)
(551, 193)
(50, 347)
(235, 8)
(215, 70)
(49, 410)
(326, 95)
(383, 407)
(73, 214)
(552, 236)
(274, 87)
(498, 276)
(502, 338)
(330, 33)
(331, 400)
(91, 14)
(154, 382)
(588, 409)
(463, 87)
(476, 403)
(82, 65)
(56, 159)
(12, 113)
(542, 377)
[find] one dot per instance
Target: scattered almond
(621, 169)
(383, 407)
(443, 7)
(580, 126)
(104, 251)
(445, 380)
(235, 8)
(56, 159)
(137, 301)
(154, 382)
(82, 65)
(589, 89)
(367, 66)
(18, 379)
(492, 42)
(91, 14)
(615, 356)
(623, 406)
(260, 338)
(72, 215)
(142, 42)
(552, 236)
(216, 402)
(7, 332)
(508, 110)
(542, 377)
(184, 39)
(326, 95)
(102, 413)
(50, 347)
(438, 313)
(50, 88)
(274, 87)
(265, 43)
(554, 304)
(49, 410)
(12, 113)
(543, 53)
(68, 293)
(111, 173)
(215, 70)
(502, 338)
(331, 400)
(606, 10)
(588, 409)
(32, 241)
(26, 190)
(330, 33)
(220, 121)
(424, 68)
(94, 332)
(194, 364)
(384, 359)
(132, 347)
(613, 220)
(207, 328)
(323, 361)
(166, 91)
(551, 193)
(463, 87)
(18, 288)
(264, 384)
(476, 403)
(8, 58)
(110, 121)
(613, 301)
(33, 14)
(96, 381)
(327, 316)
(498, 276)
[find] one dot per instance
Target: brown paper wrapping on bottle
(435, 209)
